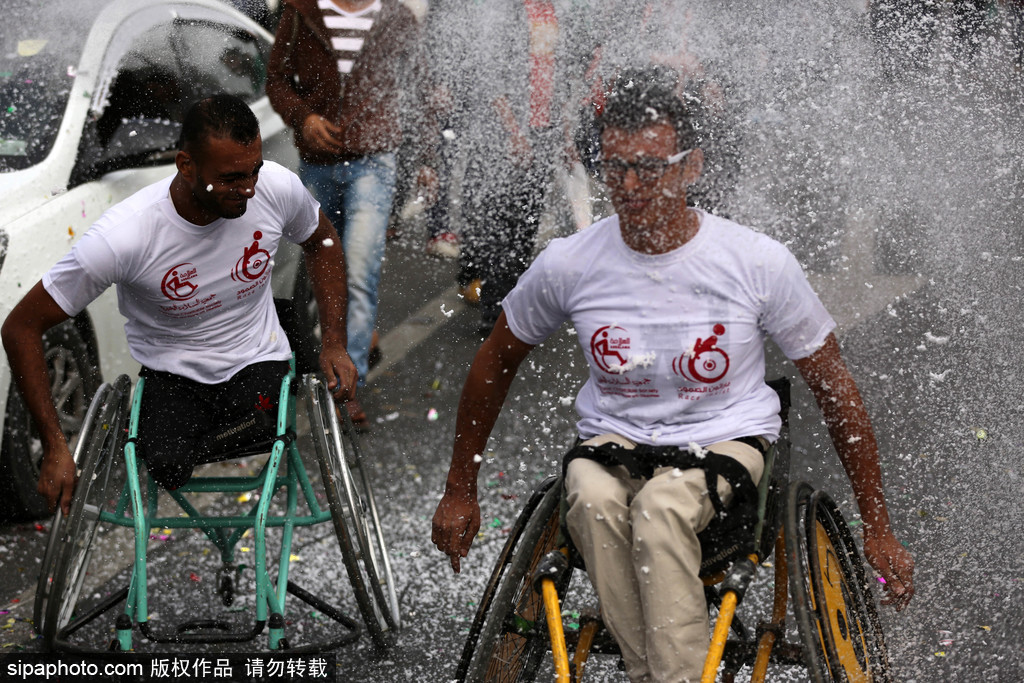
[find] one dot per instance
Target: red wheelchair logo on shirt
(176, 285)
(610, 348)
(706, 363)
(254, 261)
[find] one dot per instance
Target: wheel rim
(838, 622)
(510, 652)
(350, 512)
(70, 396)
(512, 634)
(852, 636)
(99, 456)
(376, 548)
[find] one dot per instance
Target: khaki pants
(639, 541)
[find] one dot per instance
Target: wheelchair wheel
(832, 601)
(355, 517)
(509, 634)
(99, 459)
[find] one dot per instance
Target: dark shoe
(357, 415)
(375, 356)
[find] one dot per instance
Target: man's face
(645, 189)
(224, 175)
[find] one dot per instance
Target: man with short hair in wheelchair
(191, 256)
(672, 306)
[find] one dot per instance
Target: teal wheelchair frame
(110, 492)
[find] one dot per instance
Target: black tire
(509, 636)
(301, 320)
(832, 600)
(74, 379)
(354, 513)
(100, 458)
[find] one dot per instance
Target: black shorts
(183, 422)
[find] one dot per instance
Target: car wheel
(73, 381)
(304, 331)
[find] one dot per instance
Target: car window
(166, 68)
(223, 59)
(39, 53)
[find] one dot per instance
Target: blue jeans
(356, 196)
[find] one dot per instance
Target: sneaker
(445, 245)
(471, 292)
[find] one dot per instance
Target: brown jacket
(303, 79)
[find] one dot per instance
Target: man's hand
(456, 523)
(894, 563)
(57, 478)
(321, 134)
(341, 374)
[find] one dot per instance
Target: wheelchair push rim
(97, 457)
(356, 521)
(835, 611)
(508, 638)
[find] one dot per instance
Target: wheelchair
(112, 492)
(519, 619)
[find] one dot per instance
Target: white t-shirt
(197, 298)
(675, 342)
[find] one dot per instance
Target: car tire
(74, 379)
(300, 318)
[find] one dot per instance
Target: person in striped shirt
(349, 78)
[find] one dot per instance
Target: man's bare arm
(23, 340)
(457, 518)
(325, 263)
(850, 428)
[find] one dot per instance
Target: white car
(91, 97)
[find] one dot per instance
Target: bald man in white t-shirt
(192, 257)
(671, 307)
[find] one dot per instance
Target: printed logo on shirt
(177, 285)
(610, 349)
(704, 362)
(254, 261)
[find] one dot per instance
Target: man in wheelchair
(671, 306)
(191, 256)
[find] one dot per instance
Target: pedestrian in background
(511, 93)
(348, 77)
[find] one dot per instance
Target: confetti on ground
(985, 628)
(432, 415)
(980, 433)
(940, 654)
(436, 384)
(881, 580)
(495, 524)
(192, 576)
